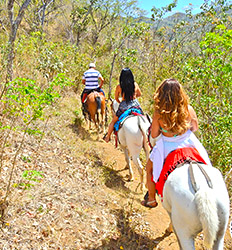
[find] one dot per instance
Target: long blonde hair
(171, 102)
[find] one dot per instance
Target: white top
(165, 145)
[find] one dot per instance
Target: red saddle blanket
(174, 158)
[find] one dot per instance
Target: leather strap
(191, 173)
(192, 178)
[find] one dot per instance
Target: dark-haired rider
(129, 90)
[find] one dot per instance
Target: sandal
(147, 203)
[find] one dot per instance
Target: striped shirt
(91, 78)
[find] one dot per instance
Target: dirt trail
(157, 217)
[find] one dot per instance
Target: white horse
(197, 207)
(132, 138)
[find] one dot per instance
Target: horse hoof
(170, 228)
(129, 178)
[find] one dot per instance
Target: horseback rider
(128, 90)
(173, 124)
(91, 79)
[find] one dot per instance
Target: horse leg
(94, 121)
(89, 120)
(219, 242)
(89, 124)
(146, 148)
(183, 234)
(103, 115)
(138, 164)
(93, 118)
(128, 164)
(97, 125)
(181, 220)
(103, 121)
(98, 114)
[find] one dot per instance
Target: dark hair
(127, 84)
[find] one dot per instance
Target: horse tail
(98, 101)
(207, 210)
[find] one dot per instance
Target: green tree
(80, 18)
(122, 40)
(210, 78)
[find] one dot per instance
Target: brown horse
(96, 107)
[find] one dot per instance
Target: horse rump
(202, 209)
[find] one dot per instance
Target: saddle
(176, 159)
(123, 117)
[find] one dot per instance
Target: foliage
(24, 98)
(197, 50)
(49, 63)
(50, 59)
(30, 177)
(80, 18)
(24, 102)
(210, 75)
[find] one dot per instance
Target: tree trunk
(12, 34)
(78, 37)
(111, 73)
(43, 15)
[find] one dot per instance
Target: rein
(192, 177)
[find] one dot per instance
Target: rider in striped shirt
(90, 80)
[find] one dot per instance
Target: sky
(181, 5)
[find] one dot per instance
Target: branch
(10, 6)
(21, 12)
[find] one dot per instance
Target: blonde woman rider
(173, 124)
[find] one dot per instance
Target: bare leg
(151, 202)
(110, 129)
(150, 183)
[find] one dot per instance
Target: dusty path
(157, 218)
